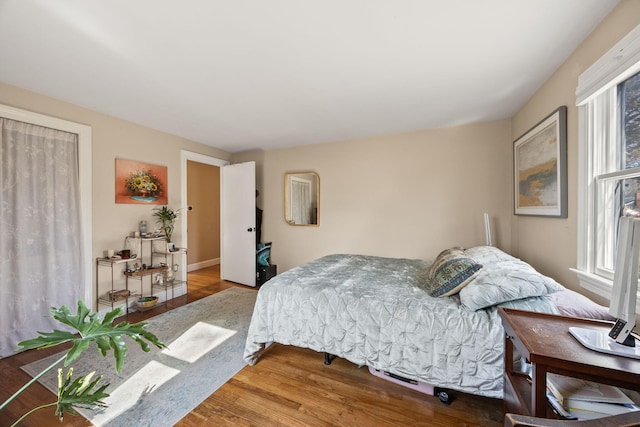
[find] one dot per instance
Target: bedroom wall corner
(550, 244)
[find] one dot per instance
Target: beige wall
(114, 138)
(408, 195)
(203, 222)
(549, 244)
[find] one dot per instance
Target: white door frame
(185, 156)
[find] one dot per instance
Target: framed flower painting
(140, 183)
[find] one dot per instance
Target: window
(629, 95)
(618, 187)
(608, 96)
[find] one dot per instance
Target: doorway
(203, 215)
(237, 217)
(206, 166)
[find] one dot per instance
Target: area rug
(205, 341)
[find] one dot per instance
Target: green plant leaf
(89, 329)
(166, 217)
(79, 393)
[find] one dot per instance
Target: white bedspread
(377, 312)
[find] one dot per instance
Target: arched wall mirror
(302, 198)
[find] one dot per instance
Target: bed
(439, 326)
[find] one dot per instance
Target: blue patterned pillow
(451, 271)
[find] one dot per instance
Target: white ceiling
(257, 74)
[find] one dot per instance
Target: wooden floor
(287, 387)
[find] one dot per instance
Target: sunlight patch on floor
(197, 341)
(144, 382)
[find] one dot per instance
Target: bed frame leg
(444, 397)
(328, 358)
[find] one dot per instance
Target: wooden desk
(545, 342)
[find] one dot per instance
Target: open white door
(238, 223)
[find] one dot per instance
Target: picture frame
(540, 168)
(140, 183)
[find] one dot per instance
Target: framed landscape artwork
(540, 168)
(140, 183)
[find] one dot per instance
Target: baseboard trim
(203, 264)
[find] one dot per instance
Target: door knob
(250, 229)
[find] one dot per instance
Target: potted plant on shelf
(166, 218)
(84, 392)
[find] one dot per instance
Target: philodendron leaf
(79, 393)
(91, 329)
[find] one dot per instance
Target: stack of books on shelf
(573, 398)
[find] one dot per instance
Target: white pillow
(503, 278)
(572, 304)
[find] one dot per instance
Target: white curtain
(40, 229)
(301, 202)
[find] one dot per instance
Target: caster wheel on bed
(444, 397)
